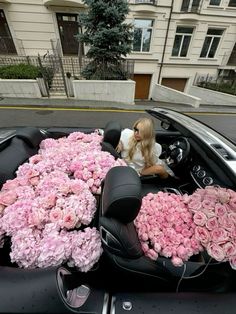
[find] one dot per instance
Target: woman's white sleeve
(125, 136)
(157, 152)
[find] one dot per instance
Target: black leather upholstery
(112, 133)
(111, 138)
(121, 194)
(31, 136)
(121, 202)
(107, 147)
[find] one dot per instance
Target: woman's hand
(119, 147)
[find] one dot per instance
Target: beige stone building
(175, 41)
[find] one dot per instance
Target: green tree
(108, 36)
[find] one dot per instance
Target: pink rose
(199, 218)
(227, 223)
(232, 203)
(229, 249)
(176, 261)
(216, 251)
(195, 245)
(223, 196)
(220, 210)
(202, 234)
(208, 204)
(55, 215)
(152, 254)
(219, 235)
(182, 252)
(69, 220)
(145, 247)
(187, 233)
(212, 223)
(194, 205)
(157, 247)
(167, 251)
(144, 237)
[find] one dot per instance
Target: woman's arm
(156, 169)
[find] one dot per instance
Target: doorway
(7, 45)
(175, 83)
(142, 85)
(68, 28)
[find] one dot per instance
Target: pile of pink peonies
(178, 227)
(47, 208)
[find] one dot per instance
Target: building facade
(175, 41)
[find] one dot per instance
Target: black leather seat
(111, 138)
(119, 206)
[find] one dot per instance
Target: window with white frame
(190, 6)
(211, 42)
(215, 2)
(142, 35)
(182, 41)
(232, 3)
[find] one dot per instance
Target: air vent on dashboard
(207, 181)
(223, 152)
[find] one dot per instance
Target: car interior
(124, 277)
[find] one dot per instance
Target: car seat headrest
(32, 136)
(121, 198)
(112, 133)
(107, 147)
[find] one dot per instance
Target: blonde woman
(140, 150)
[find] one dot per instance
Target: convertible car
(129, 268)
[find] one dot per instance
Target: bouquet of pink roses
(165, 227)
(178, 227)
(214, 214)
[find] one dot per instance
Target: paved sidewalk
(86, 104)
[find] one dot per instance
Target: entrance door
(142, 85)
(68, 28)
(6, 42)
(175, 83)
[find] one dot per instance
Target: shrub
(19, 71)
(223, 87)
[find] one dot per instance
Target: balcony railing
(154, 2)
(190, 6)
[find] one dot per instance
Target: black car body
(125, 279)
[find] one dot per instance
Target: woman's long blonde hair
(146, 130)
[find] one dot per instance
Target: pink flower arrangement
(178, 227)
(215, 221)
(165, 227)
(45, 208)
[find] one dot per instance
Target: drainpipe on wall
(166, 37)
